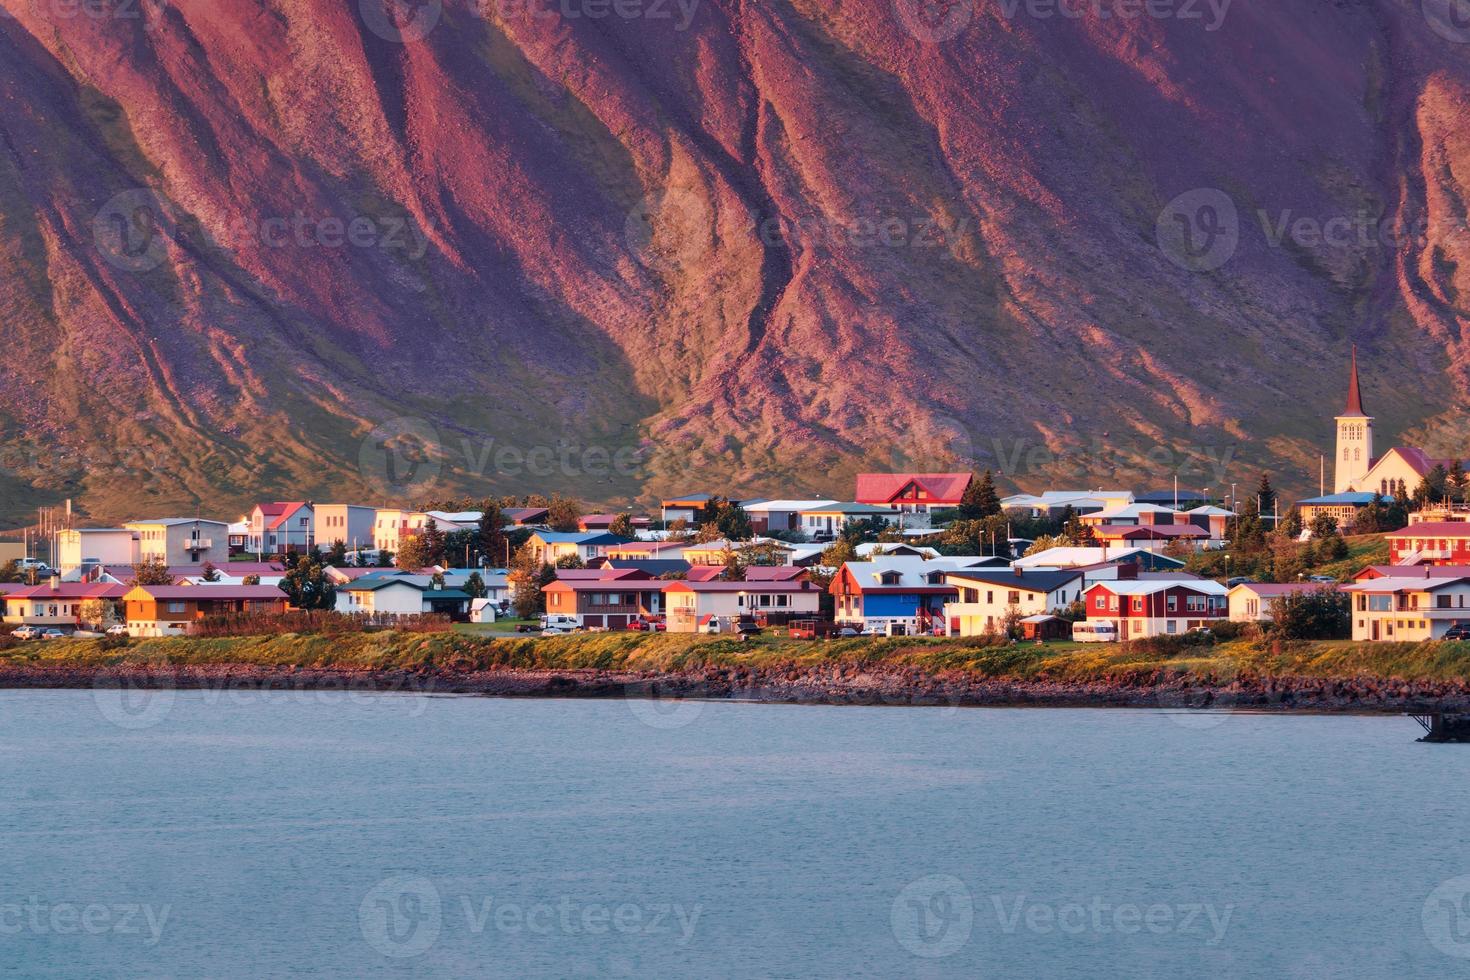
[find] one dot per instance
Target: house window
(782, 601)
(1138, 604)
(1172, 626)
(1101, 602)
(176, 607)
(1173, 603)
(1014, 598)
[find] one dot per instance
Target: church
(1401, 468)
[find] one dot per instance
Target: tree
(385, 558)
(151, 571)
(209, 573)
(622, 526)
(423, 549)
(724, 520)
(250, 580)
(1079, 535)
(980, 499)
(1324, 525)
(838, 553)
(97, 613)
(571, 561)
(1291, 524)
(1436, 484)
(678, 530)
(1321, 614)
(1458, 481)
(337, 556)
(306, 585)
(564, 514)
(1045, 543)
(529, 578)
(474, 586)
(10, 572)
(1370, 519)
(490, 540)
(1247, 530)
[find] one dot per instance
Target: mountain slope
(755, 246)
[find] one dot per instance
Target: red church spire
(1355, 398)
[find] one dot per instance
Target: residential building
(828, 520)
(915, 496)
(780, 515)
(1255, 602)
(601, 522)
(1066, 557)
(1441, 543)
(893, 591)
(609, 602)
(1151, 537)
(1135, 515)
(60, 604)
(182, 539)
(95, 546)
(1140, 608)
(281, 527)
(238, 535)
(1053, 504)
(351, 524)
(717, 552)
(402, 595)
(176, 610)
(988, 601)
(524, 516)
(692, 605)
(685, 508)
(552, 546)
(391, 527)
(1409, 609)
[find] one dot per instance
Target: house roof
(70, 590)
(211, 592)
(704, 573)
(1210, 510)
(912, 572)
(579, 537)
(172, 521)
(1152, 531)
(1407, 584)
(282, 512)
(1353, 499)
(940, 488)
(688, 500)
(603, 574)
(1091, 557)
(773, 573)
(650, 566)
(1030, 580)
(1135, 511)
(786, 506)
(1270, 589)
(1168, 497)
(848, 509)
(1433, 529)
(1410, 571)
(521, 515)
(446, 594)
(723, 586)
(607, 584)
(1132, 587)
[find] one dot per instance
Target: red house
(1431, 543)
(1156, 607)
(913, 493)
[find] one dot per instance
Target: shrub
(319, 621)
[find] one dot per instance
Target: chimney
(55, 581)
(1020, 572)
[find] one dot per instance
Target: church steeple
(1355, 398)
(1354, 439)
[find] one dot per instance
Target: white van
(556, 625)
(1094, 633)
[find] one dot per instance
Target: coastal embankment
(1239, 674)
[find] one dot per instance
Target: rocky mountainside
(381, 248)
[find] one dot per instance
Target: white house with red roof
(59, 604)
(692, 605)
(916, 494)
(280, 527)
(1409, 609)
(1255, 602)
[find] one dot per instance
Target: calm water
(255, 835)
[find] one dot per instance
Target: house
(401, 595)
(828, 520)
(685, 508)
(1178, 499)
(230, 573)
(780, 515)
(898, 549)
(1150, 537)
(1255, 602)
(281, 527)
(457, 520)
(987, 601)
(391, 527)
(896, 591)
(1409, 609)
(525, 516)
(549, 547)
(1045, 628)
(1052, 504)
(1439, 543)
(1343, 507)
(1066, 557)
(610, 602)
(179, 539)
(238, 535)
(58, 604)
(914, 495)
(1369, 572)
(1215, 520)
(1140, 608)
(716, 552)
(175, 610)
(96, 546)
(601, 522)
(1135, 515)
(1402, 468)
(351, 524)
(649, 551)
(496, 582)
(692, 605)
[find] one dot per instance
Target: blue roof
(580, 537)
(1343, 499)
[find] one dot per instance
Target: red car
(648, 625)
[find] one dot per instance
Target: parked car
(1459, 631)
(1324, 579)
(1201, 631)
(848, 632)
(53, 634)
(117, 629)
(1238, 580)
(26, 633)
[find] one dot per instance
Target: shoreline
(788, 684)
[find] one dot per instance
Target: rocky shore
(834, 684)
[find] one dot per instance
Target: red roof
(71, 590)
(884, 488)
(723, 586)
(281, 511)
(1409, 571)
(1355, 398)
(206, 593)
(704, 573)
(773, 573)
(1150, 531)
(1268, 589)
(1434, 529)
